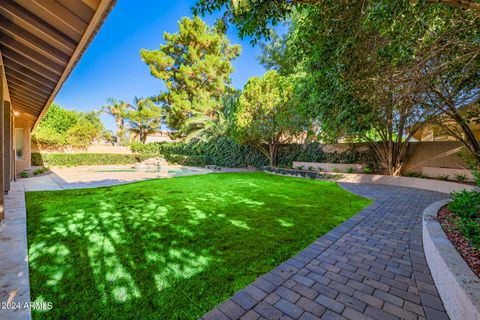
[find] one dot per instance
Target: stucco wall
(438, 154)
(26, 162)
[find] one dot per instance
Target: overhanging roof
(40, 42)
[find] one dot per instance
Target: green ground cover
(171, 248)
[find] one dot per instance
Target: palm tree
(118, 109)
(204, 128)
(144, 119)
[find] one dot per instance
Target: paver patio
(370, 267)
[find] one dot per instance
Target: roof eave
(94, 26)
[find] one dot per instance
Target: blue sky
(111, 66)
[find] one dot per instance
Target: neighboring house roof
(159, 136)
(435, 130)
(41, 41)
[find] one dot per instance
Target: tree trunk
(391, 155)
(472, 143)
(119, 124)
(272, 150)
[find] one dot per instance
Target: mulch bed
(470, 254)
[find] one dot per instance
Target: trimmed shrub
(84, 159)
(225, 152)
(466, 205)
(302, 173)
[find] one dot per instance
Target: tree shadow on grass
(167, 249)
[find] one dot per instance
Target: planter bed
(303, 173)
(457, 284)
(470, 254)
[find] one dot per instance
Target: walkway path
(14, 281)
(370, 267)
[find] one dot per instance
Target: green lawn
(171, 248)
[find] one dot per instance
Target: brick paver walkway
(370, 267)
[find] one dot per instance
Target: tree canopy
(195, 64)
(265, 114)
(144, 119)
(372, 70)
(61, 127)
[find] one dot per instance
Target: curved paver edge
(457, 285)
(396, 181)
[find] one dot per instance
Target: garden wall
(224, 152)
(437, 154)
(434, 154)
(91, 149)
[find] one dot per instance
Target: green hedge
(225, 152)
(82, 159)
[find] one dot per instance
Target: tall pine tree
(195, 64)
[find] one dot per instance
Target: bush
(82, 159)
(460, 177)
(367, 170)
(40, 171)
(466, 205)
(225, 152)
(412, 174)
(443, 177)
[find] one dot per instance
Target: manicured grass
(171, 248)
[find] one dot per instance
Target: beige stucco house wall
(22, 157)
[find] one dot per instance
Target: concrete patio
(102, 176)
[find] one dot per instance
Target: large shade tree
(255, 18)
(266, 115)
(195, 64)
(450, 67)
(373, 69)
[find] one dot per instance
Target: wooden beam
(22, 49)
(31, 41)
(33, 102)
(57, 16)
(29, 64)
(24, 111)
(24, 107)
(12, 65)
(92, 4)
(24, 103)
(26, 86)
(36, 26)
(12, 74)
(27, 92)
(97, 20)
(79, 8)
(32, 97)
